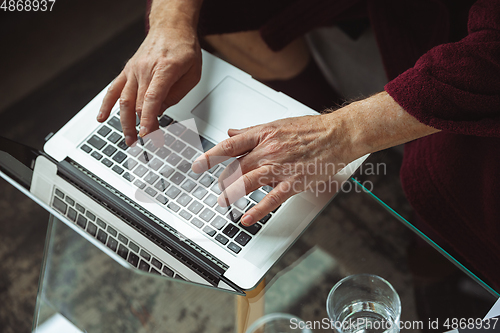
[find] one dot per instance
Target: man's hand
(279, 153)
(164, 69)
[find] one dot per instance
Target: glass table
(81, 289)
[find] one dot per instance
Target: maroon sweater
(443, 60)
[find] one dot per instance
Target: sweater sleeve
(455, 87)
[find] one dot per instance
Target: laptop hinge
(145, 222)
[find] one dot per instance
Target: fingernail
(143, 131)
(99, 115)
(129, 140)
(246, 220)
(197, 167)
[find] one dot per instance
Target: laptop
(145, 207)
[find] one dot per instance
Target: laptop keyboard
(165, 174)
(106, 234)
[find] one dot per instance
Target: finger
(127, 111)
(232, 147)
(112, 95)
(271, 201)
(153, 100)
(237, 168)
(233, 131)
(245, 184)
(141, 91)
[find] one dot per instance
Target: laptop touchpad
(232, 104)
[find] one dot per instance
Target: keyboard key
(145, 157)
(133, 259)
(267, 188)
(167, 271)
(151, 192)
(130, 164)
(115, 137)
(218, 223)
(249, 207)
(122, 145)
(122, 239)
(162, 199)
(151, 146)
(265, 219)
(230, 230)
(242, 238)
(207, 215)
(184, 166)
(140, 184)
(119, 157)
(163, 152)
(164, 121)
(166, 171)
(200, 192)
(156, 263)
(184, 200)
(242, 203)
(134, 151)
(178, 146)
(111, 231)
(96, 142)
(115, 123)
(155, 164)
(109, 150)
(257, 196)
(145, 255)
(234, 215)
(90, 216)
(173, 192)
(215, 188)
(213, 169)
(253, 229)
(209, 231)
(188, 185)
(80, 208)
(233, 247)
(101, 223)
(122, 251)
(134, 247)
(176, 129)
(81, 221)
(104, 130)
(173, 159)
(188, 153)
(107, 162)
(192, 138)
(218, 173)
(140, 170)
(151, 178)
(177, 178)
(86, 148)
(207, 180)
(117, 169)
(221, 210)
(194, 175)
(185, 215)
(128, 176)
(112, 244)
(72, 214)
(70, 201)
(169, 139)
(92, 229)
(162, 185)
(211, 200)
(60, 205)
(221, 239)
(102, 236)
(173, 206)
(195, 207)
(96, 155)
(197, 223)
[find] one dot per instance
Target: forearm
(174, 14)
(377, 123)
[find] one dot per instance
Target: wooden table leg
(249, 308)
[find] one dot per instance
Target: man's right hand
(164, 69)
